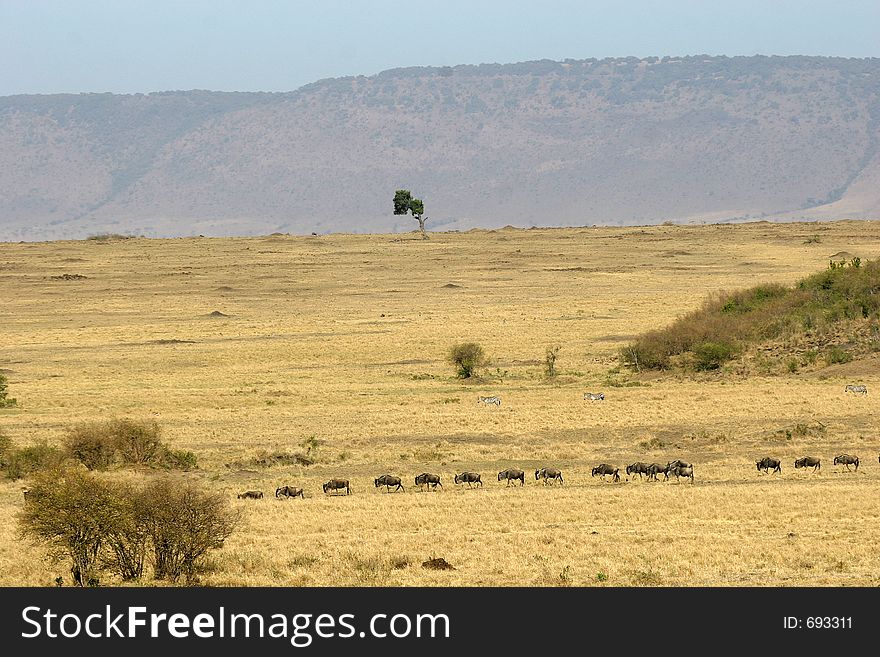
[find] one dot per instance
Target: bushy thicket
(98, 445)
(101, 526)
(730, 321)
(467, 357)
(18, 462)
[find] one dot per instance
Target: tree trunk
(421, 221)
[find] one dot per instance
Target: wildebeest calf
(388, 481)
(512, 474)
(289, 491)
(605, 469)
(767, 463)
(468, 478)
(847, 460)
(251, 495)
(808, 462)
(551, 474)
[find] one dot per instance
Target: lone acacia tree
(404, 202)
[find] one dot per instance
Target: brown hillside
(620, 141)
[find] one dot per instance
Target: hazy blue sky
(127, 46)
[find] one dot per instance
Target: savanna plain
(335, 346)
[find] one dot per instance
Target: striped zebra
(489, 400)
(859, 390)
(594, 396)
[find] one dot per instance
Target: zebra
(549, 474)
(859, 390)
(489, 400)
(594, 396)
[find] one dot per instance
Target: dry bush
(184, 523)
(17, 463)
(105, 526)
(98, 445)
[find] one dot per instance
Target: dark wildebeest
(337, 484)
(551, 474)
(847, 460)
(682, 471)
(605, 469)
(289, 491)
(767, 463)
(431, 480)
(654, 468)
(468, 478)
(251, 495)
(808, 462)
(388, 481)
(512, 474)
(637, 468)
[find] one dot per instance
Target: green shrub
(18, 463)
(467, 357)
(5, 400)
(710, 355)
(836, 355)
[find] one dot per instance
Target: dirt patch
(437, 563)
(451, 285)
(217, 313)
(171, 341)
(224, 288)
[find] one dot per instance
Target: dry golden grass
(344, 338)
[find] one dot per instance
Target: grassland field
(344, 338)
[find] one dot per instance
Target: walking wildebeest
(337, 484)
(289, 491)
(766, 464)
(468, 478)
(847, 460)
(594, 396)
(605, 469)
(859, 390)
(251, 495)
(551, 474)
(654, 468)
(682, 471)
(512, 474)
(637, 468)
(677, 463)
(431, 480)
(808, 462)
(388, 481)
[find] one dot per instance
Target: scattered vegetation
(728, 323)
(99, 445)
(100, 526)
(108, 237)
(550, 361)
(17, 463)
(5, 400)
(466, 358)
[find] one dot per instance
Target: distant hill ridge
(612, 141)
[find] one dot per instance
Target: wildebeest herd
(679, 468)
